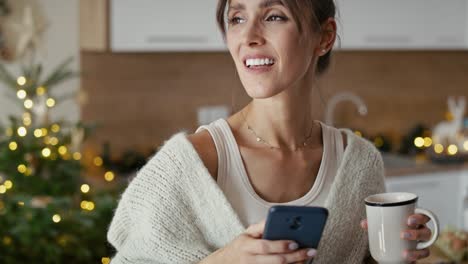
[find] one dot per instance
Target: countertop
(399, 165)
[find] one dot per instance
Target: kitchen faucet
(343, 96)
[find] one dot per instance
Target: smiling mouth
(257, 63)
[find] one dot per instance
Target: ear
(327, 37)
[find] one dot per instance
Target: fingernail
(412, 221)
(407, 235)
(311, 252)
(293, 246)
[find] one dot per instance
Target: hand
(249, 247)
(417, 231)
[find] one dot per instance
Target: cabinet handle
(176, 39)
(387, 39)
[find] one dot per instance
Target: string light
(90, 206)
(427, 142)
(21, 94)
(28, 104)
(22, 132)
(44, 131)
(379, 142)
(8, 184)
(452, 150)
(438, 148)
(55, 128)
(76, 156)
(40, 90)
(7, 240)
(21, 203)
(38, 132)
(22, 168)
(105, 260)
(109, 176)
(85, 188)
(56, 218)
(465, 145)
(50, 102)
(419, 142)
(3, 189)
(62, 150)
(28, 172)
(13, 146)
(46, 152)
(54, 141)
(87, 205)
(21, 80)
(27, 119)
(98, 161)
(358, 133)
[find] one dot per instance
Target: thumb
(256, 230)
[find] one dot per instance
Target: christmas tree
(49, 212)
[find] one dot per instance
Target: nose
(252, 34)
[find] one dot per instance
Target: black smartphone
(302, 224)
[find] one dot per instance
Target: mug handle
(435, 232)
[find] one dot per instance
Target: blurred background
(91, 88)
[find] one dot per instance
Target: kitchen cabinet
(161, 25)
(403, 24)
(440, 192)
(187, 25)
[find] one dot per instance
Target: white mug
(387, 218)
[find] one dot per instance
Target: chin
(262, 91)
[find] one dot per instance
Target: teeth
(259, 62)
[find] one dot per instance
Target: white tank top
(233, 180)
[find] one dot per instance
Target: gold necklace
(263, 141)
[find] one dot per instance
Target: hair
(316, 13)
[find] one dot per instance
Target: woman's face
(269, 52)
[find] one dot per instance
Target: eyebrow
(263, 4)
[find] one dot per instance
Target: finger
(416, 254)
(256, 230)
(300, 255)
(417, 220)
(364, 224)
(297, 256)
(264, 247)
(423, 234)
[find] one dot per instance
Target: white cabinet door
(164, 25)
(438, 192)
(403, 24)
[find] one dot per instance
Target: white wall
(60, 41)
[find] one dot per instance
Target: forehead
(243, 4)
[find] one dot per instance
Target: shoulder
(363, 150)
(206, 149)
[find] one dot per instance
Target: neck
(284, 121)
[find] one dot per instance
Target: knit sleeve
(153, 222)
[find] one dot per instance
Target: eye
(276, 18)
(235, 20)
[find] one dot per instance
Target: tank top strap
(217, 130)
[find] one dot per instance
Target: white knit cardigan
(174, 212)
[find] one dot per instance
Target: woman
(192, 201)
